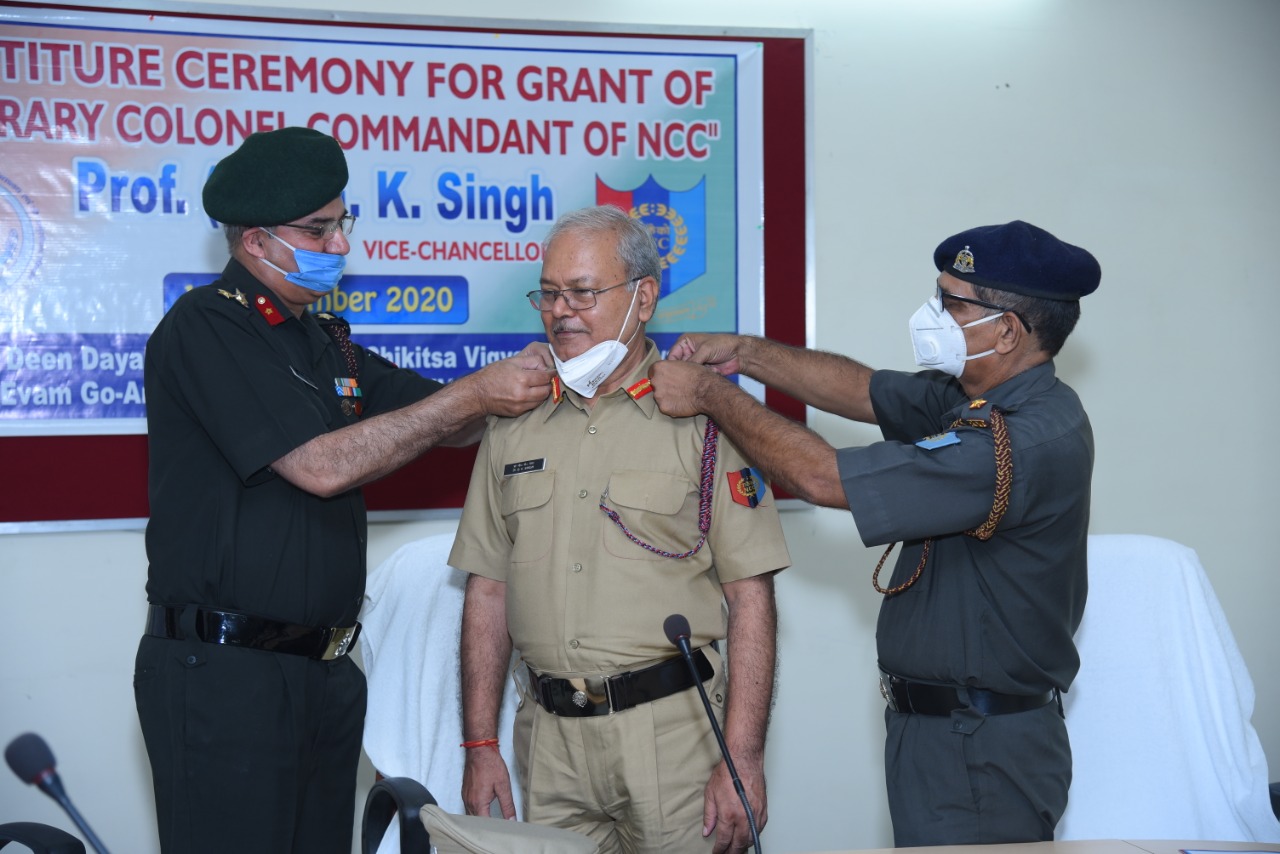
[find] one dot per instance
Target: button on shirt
(581, 597)
(998, 614)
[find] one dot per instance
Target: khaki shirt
(582, 597)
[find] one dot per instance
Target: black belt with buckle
(603, 695)
(235, 629)
(924, 699)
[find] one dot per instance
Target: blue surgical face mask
(318, 272)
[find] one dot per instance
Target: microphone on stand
(676, 628)
(32, 760)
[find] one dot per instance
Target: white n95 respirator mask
(938, 341)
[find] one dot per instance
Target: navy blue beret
(1019, 258)
(276, 176)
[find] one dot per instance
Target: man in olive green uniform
(263, 421)
(589, 521)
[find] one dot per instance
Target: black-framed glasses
(326, 230)
(983, 303)
(578, 299)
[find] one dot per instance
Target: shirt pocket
(526, 509)
(659, 509)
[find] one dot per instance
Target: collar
(263, 303)
(1011, 393)
(635, 387)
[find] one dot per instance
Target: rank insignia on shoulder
(977, 403)
(238, 296)
(640, 389)
(747, 487)
(941, 440)
(348, 388)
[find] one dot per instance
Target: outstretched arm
(826, 381)
(790, 454)
(335, 462)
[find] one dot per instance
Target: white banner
(463, 147)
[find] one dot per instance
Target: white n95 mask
(938, 340)
(585, 372)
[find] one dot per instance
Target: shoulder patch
(940, 440)
(747, 487)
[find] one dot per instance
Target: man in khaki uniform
(589, 520)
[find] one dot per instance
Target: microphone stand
(683, 642)
(52, 786)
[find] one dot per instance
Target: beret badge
(964, 261)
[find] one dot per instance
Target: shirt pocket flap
(527, 491)
(652, 491)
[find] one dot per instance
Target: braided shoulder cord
(1000, 504)
(705, 490)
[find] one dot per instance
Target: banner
(463, 148)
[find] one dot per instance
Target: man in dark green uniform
(984, 477)
(263, 422)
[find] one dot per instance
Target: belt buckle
(340, 642)
(592, 690)
(886, 691)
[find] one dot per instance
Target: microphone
(32, 760)
(676, 628)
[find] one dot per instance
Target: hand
(722, 812)
(720, 351)
(536, 356)
(484, 779)
(678, 386)
(516, 384)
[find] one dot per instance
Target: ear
(252, 242)
(646, 298)
(1009, 333)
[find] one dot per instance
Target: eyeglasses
(327, 230)
(578, 299)
(983, 303)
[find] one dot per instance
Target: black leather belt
(229, 627)
(923, 699)
(604, 695)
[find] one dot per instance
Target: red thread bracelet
(484, 742)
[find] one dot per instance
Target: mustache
(564, 326)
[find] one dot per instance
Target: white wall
(1145, 130)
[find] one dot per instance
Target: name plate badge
(524, 467)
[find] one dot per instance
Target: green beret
(276, 176)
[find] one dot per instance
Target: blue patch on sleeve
(941, 440)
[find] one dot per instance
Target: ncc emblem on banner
(676, 219)
(747, 487)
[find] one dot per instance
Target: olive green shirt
(581, 596)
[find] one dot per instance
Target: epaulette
(324, 318)
(977, 413)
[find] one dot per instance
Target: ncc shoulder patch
(747, 487)
(940, 440)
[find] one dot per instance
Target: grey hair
(635, 244)
(233, 234)
(1051, 321)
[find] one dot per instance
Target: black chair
(40, 838)
(398, 798)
